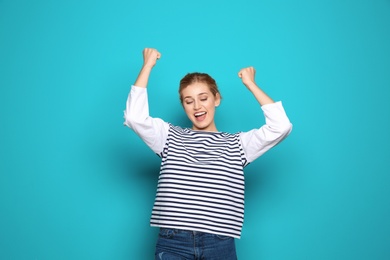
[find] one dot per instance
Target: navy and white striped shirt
(201, 182)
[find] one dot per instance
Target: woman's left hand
(247, 75)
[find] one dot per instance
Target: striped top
(201, 181)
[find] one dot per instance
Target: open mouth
(200, 116)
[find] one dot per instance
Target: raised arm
(277, 125)
(150, 58)
(247, 76)
(153, 131)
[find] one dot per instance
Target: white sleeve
(277, 127)
(153, 131)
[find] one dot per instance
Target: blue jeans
(175, 244)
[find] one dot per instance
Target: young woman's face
(199, 104)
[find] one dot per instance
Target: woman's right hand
(150, 57)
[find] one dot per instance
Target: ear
(217, 99)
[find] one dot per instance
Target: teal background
(76, 184)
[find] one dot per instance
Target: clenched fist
(150, 57)
(247, 75)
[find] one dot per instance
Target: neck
(211, 128)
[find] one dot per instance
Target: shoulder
(175, 128)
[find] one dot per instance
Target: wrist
(251, 85)
(147, 67)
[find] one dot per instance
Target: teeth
(200, 114)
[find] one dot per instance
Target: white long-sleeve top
(154, 131)
(201, 183)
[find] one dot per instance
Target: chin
(201, 127)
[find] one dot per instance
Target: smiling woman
(199, 104)
(199, 204)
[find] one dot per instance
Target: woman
(199, 204)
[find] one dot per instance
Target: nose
(196, 105)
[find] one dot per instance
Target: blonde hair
(198, 77)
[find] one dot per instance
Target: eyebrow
(198, 95)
